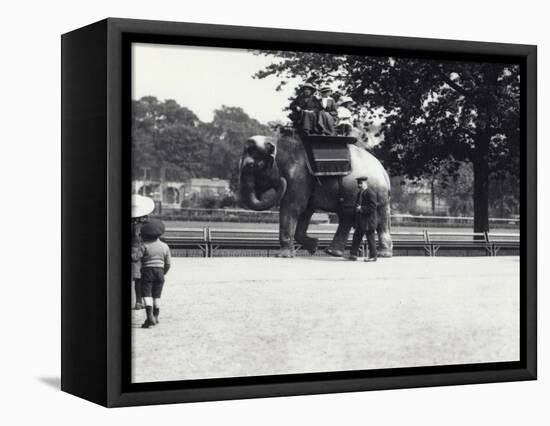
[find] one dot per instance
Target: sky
(205, 78)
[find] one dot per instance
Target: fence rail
(241, 215)
(210, 241)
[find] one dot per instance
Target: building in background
(196, 188)
(175, 194)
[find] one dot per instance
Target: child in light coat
(345, 116)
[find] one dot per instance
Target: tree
(456, 189)
(166, 135)
(433, 114)
(170, 137)
(226, 133)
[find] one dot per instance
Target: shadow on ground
(54, 382)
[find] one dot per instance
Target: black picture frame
(96, 197)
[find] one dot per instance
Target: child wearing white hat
(141, 208)
(345, 122)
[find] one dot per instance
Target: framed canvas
(257, 212)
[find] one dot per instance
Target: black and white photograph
(275, 214)
(306, 212)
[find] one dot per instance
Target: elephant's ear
(249, 144)
(271, 148)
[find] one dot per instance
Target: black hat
(361, 178)
(153, 228)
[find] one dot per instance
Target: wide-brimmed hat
(153, 228)
(346, 100)
(310, 85)
(142, 206)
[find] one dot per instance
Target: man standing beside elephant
(365, 220)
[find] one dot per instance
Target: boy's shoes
(148, 323)
(138, 306)
(352, 257)
(370, 259)
(157, 320)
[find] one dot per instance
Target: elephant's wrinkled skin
(275, 170)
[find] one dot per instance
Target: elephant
(275, 170)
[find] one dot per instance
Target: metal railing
(209, 241)
(272, 216)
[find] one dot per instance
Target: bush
(229, 201)
(209, 202)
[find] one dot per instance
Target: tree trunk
(481, 185)
(485, 108)
(432, 189)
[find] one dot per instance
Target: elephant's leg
(338, 244)
(383, 230)
(288, 219)
(309, 243)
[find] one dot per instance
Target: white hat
(346, 99)
(141, 206)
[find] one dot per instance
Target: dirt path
(225, 317)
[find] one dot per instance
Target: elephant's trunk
(267, 198)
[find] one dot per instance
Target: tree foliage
(164, 134)
(167, 135)
(432, 114)
(226, 133)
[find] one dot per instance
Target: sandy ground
(227, 317)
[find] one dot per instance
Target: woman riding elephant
(275, 171)
(305, 109)
(327, 111)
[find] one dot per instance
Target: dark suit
(365, 222)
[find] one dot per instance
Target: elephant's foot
(385, 253)
(386, 246)
(310, 244)
(286, 253)
(334, 252)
